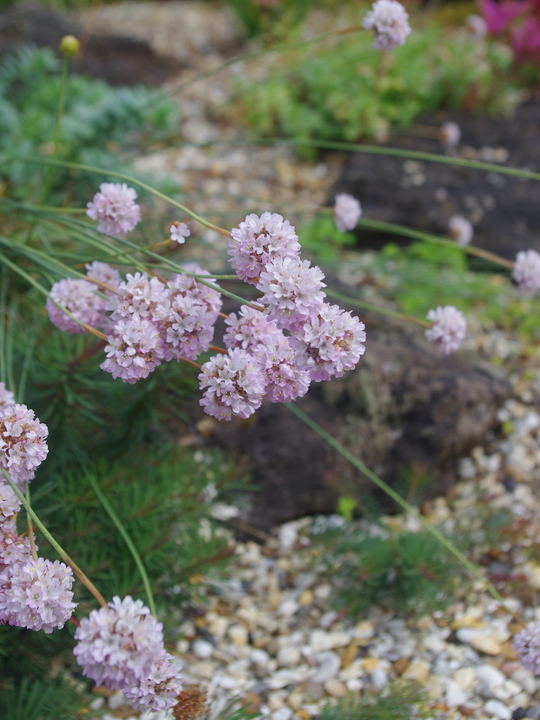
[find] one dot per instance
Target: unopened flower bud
(69, 45)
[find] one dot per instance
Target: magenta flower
(81, 299)
(22, 442)
(250, 329)
(233, 384)
(258, 241)
(526, 271)
(347, 212)
(135, 349)
(448, 329)
(115, 209)
(158, 690)
(390, 22)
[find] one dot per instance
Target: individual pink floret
(527, 646)
(81, 299)
(330, 343)
(284, 381)
(460, 229)
(233, 384)
(23, 444)
(450, 133)
(9, 502)
(292, 292)
(179, 232)
(347, 212)
(6, 396)
(135, 349)
(249, 329)
(390, 22)
(526, 271)
(115, 209)
(36, 594)
(118, 645)
(448, 329)
(159, 690)
(258, 241)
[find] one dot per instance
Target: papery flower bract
(448, 329)
(526, 271)
(347, 212)
(233, 384)
(292, 292)
(22, 442)
(390, 22)
(138, 297)
(115, 209)
(527, 646)
(179, 232)
(135, 349)
(249, 329)
(284, 381)
(159, 690)
(460, 229)
(259, 240)
(81, 299)
(6, 396)
(36, 594)
(330, 343)
(118, 645)
(450, 134)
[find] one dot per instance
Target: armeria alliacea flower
(160, 688)
(36, 594)
(179, 232)
(284, 382)
(448, 329)
(118, 645)
(135, 349)
(330, 343)
(233, 385)
(22, 442)
(390, 22)
(460, 229)
(249, 329)
(14, 548)
(526, 271)
(115, 209)
(259, 240)
(104, 273)
(527, 646)
(9, 502)
(6, 396)
(450, 134)
(81, 299)
(292, 292)
(347, 212)
(138, 297)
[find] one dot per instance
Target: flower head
(448, 329)
(284, 381)
(390, 22)
(179, 232)
(118, 645)
(259, 240)
(460, 229)
(6, 396)
(160, 688)
(81, 299)
(527, 271)
(36, 594)
(450, 133)
(233, 385)
(9, 502)
(330, 343)
(22, 442)
(527, 646)
(292, 291)
(134, 350)
(347, 212)
(14, 548)
(249, 329)
(104, 273)
(115, 209)
(138, 297)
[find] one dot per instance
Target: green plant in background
(401, 700)
(342, 93)
(276, 19)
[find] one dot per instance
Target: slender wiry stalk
(59, 549)
(57, 127)
(381, 311)
(30, 527)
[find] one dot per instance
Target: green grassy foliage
(400, 701)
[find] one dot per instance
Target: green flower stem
(30, 526)
(124, 533)
(359, 465)
(57, 126)
(381, 311)
(78, 572)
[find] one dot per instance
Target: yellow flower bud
(69, 45)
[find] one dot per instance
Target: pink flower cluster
(527, 646)
(448, 329)
(115, 209)
(121, 647)
(390, 22)
(22, 442)
(347, 212)
(526, 271)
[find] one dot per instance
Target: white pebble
(284, 713)
(497, 708)
(288, 657)
(202, 649)
(454, 695)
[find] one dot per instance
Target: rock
(314, 690)
(418, 671)
(520, 713)
(218, 626)
(202, 649)
(335, 688)
(400, 666)
(287, 536)
(306, 598)
(282, 678)
(295, 700)
(486, 644)
(465, 678)
(498, 709)
(526, 679)
(379, 678)
(238, 634)
(454, 695)
(288, 657)
(329, 665)
(490, 676)
(283, 713)
(534, 713)
(364, 630)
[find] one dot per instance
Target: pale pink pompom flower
(284, 381)
(9, 502)
(460, 229)
(135, 349)
(526, 271)
(249, 329)
(448, 329)
(159, 690)
(81, 299)
(347, 212)
(331, 343)
(233, 384)
(14, 548)
(137, 297)
(115, 209)
(390, 22)
(23, 444)
(259, 240)
(450, 134)
(104, 273)
(527, 646)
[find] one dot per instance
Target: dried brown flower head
(191, 704)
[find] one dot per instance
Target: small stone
(486, 645)
(295, 700)
(526, 679)
(454, 696)
(288, 657)
(319, 640)
(204, 669)
(314, 690)
(490, 676)
(354, 685)
(497, 708)
(202, 649)
(282, 678)
(218, 626)
(355, 670)
(259, 657)
(287, 536)
(534, 713)
(519, 713)
(238, 634)
(465, 677)
(400, 666)
(418, 671)
(283, 713)
(323, 592)
(379, 678)
(253, 702)
(335, 688)
(370, 664)
(329, 665)
(364, 630)
(306, 598)
(349, 655)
